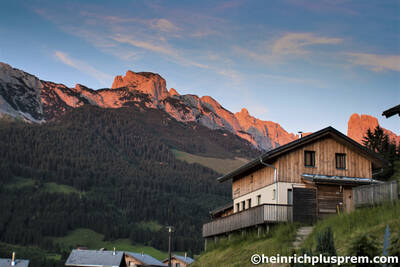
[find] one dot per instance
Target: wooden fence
(375, 194)
(266, 213)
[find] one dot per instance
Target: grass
(89, 238)
(59, 188)
(238, 250)
(346, 227)
(51, 187)
(219, 165)
(150, 225)
(20, 183)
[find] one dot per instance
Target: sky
(304, 64)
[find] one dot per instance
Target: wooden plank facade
(290, 166)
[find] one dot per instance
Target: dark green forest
(120, 163)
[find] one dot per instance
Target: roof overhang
(392, 111)
(272, 155)
(222, 208)
(338, 180)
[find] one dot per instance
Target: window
(251, 179)
(259, 200)
(237, 207)
(273, 193)
(177, 265)
(340, 161)
(290, 196)
(309, 158)
(249, 203)
(243, 205)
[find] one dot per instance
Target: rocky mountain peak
(173, 92)
(358, 125)
(145, 82)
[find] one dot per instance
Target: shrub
(325, 243)
(364, 245)
(394, 249)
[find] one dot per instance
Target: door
(348, 200)
(304, 205)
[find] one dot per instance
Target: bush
(325, 243)
(364, 245)
(394, 249)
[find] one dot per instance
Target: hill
(110, 171)
(238, 251)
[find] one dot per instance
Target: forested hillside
(110, 170)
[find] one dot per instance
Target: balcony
(262, 214)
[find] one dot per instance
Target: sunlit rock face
(145, 82)
(24, 95)
(266, 133)
(358, 125)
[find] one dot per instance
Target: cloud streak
(297, 43)
(290, 44)
(162, 48)
(82, 66)
(375, 62)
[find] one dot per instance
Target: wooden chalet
(179, 261)
(306, 179)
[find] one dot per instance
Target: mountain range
(25, 96)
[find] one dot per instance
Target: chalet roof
(94, 258)
(146, 259)
(392, 111)
(187, 260)
(18, 263)
(342, 180)
(222, 208)
(275, 153)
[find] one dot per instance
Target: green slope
(237, 251)
(372, 220)
(219, 165)
(346, 227)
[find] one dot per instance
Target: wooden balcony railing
(265, 213)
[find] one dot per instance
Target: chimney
(142, 254)
(185, 255)
(114, 252)
(13, 259)
(300, 134)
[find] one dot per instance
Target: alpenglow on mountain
(25, 96)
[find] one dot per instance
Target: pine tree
(325, 243)
(364, 245)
